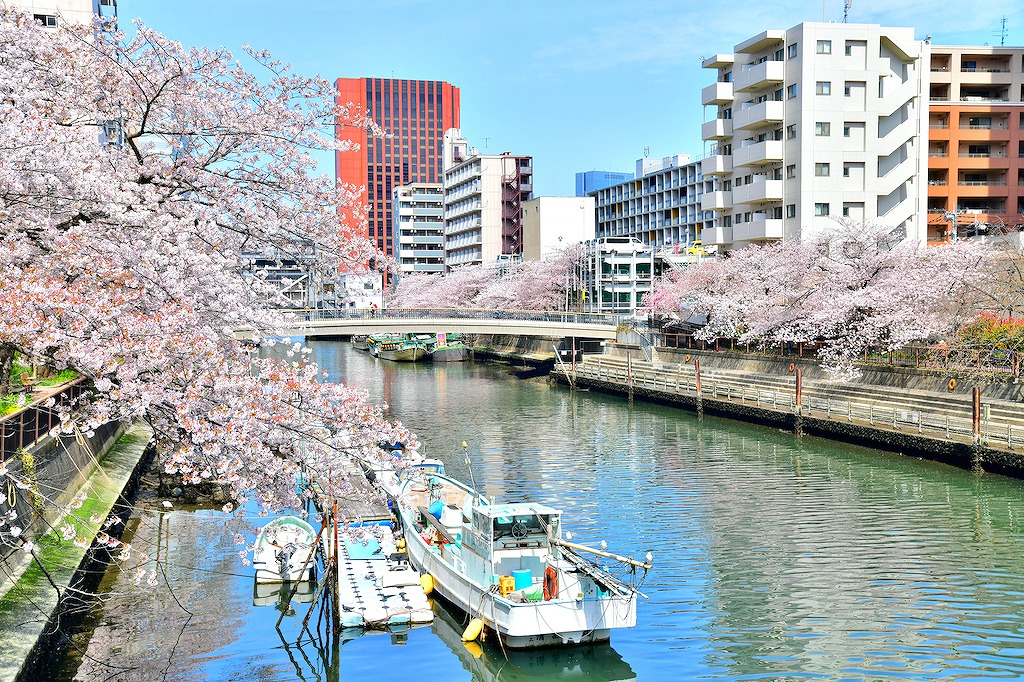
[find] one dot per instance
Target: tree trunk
(6, 360)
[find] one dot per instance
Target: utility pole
(951, 216)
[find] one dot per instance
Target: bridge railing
(324, 314)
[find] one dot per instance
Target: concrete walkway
(29, 603)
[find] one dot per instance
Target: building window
(779, 54)
(846, 170)
(791, 131)
(846, 131)
(822, 170)
(824, 47)
(791, 171)
(849, 50)
(727, 221)
(47, 20)
(791, 91)
(821, 209)
(822, 129)
(792, 51)
(823, 88)
(846, 211)
(790, 210)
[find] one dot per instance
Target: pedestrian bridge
(320, 322)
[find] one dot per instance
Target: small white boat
(282, 548)
(390, 477)
(507, 565)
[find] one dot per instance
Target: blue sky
(579, 85)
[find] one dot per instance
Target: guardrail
(318, 314)
(929, 357)
(33, 422)
(679, 382)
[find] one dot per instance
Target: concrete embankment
(536, 351)
(928, 423)
(41, 596)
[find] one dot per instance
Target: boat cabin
(511, 538)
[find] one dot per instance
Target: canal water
(776, 558)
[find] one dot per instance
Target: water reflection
(489, 663)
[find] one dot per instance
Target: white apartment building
(661, 207)
(817, 122)
(552, 224)
(616, 273)
(417, 214)
(483, 203)
(52, 12)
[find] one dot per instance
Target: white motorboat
(508, 566)
(282, 549)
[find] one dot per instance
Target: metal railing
(27, 426)
(321, 314)
(682, 381)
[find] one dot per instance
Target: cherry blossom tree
(848, 288)
(526, 285)
(123, 262)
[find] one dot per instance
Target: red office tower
(415, 114)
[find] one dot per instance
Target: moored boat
(507, 565)
(361, 342)
(449, 349)
(401, 350)
(282, 549)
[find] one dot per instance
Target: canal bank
(896, 414)
(44, 595)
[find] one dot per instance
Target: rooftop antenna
(1002, 31)
(847, 4)
(647, 152)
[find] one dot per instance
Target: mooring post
(700, 398)
(335, 606)
(798, 418)
(976, 427)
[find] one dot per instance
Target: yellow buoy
(400, 545)
(427, 583)
(473, 630)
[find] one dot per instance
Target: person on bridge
(373, 310)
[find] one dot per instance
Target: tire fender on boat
(550, 583)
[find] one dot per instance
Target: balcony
(717, 61)
(757, 230)
(719, 129)
(760, 154)
(765, 113)
(759, 76)
(717, 164)
(717, 93)
(716, 201)
(716, 235)
(758, 192)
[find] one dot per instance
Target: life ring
(687, 358)
(792, 366)
(550, 583)
(952, 384)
